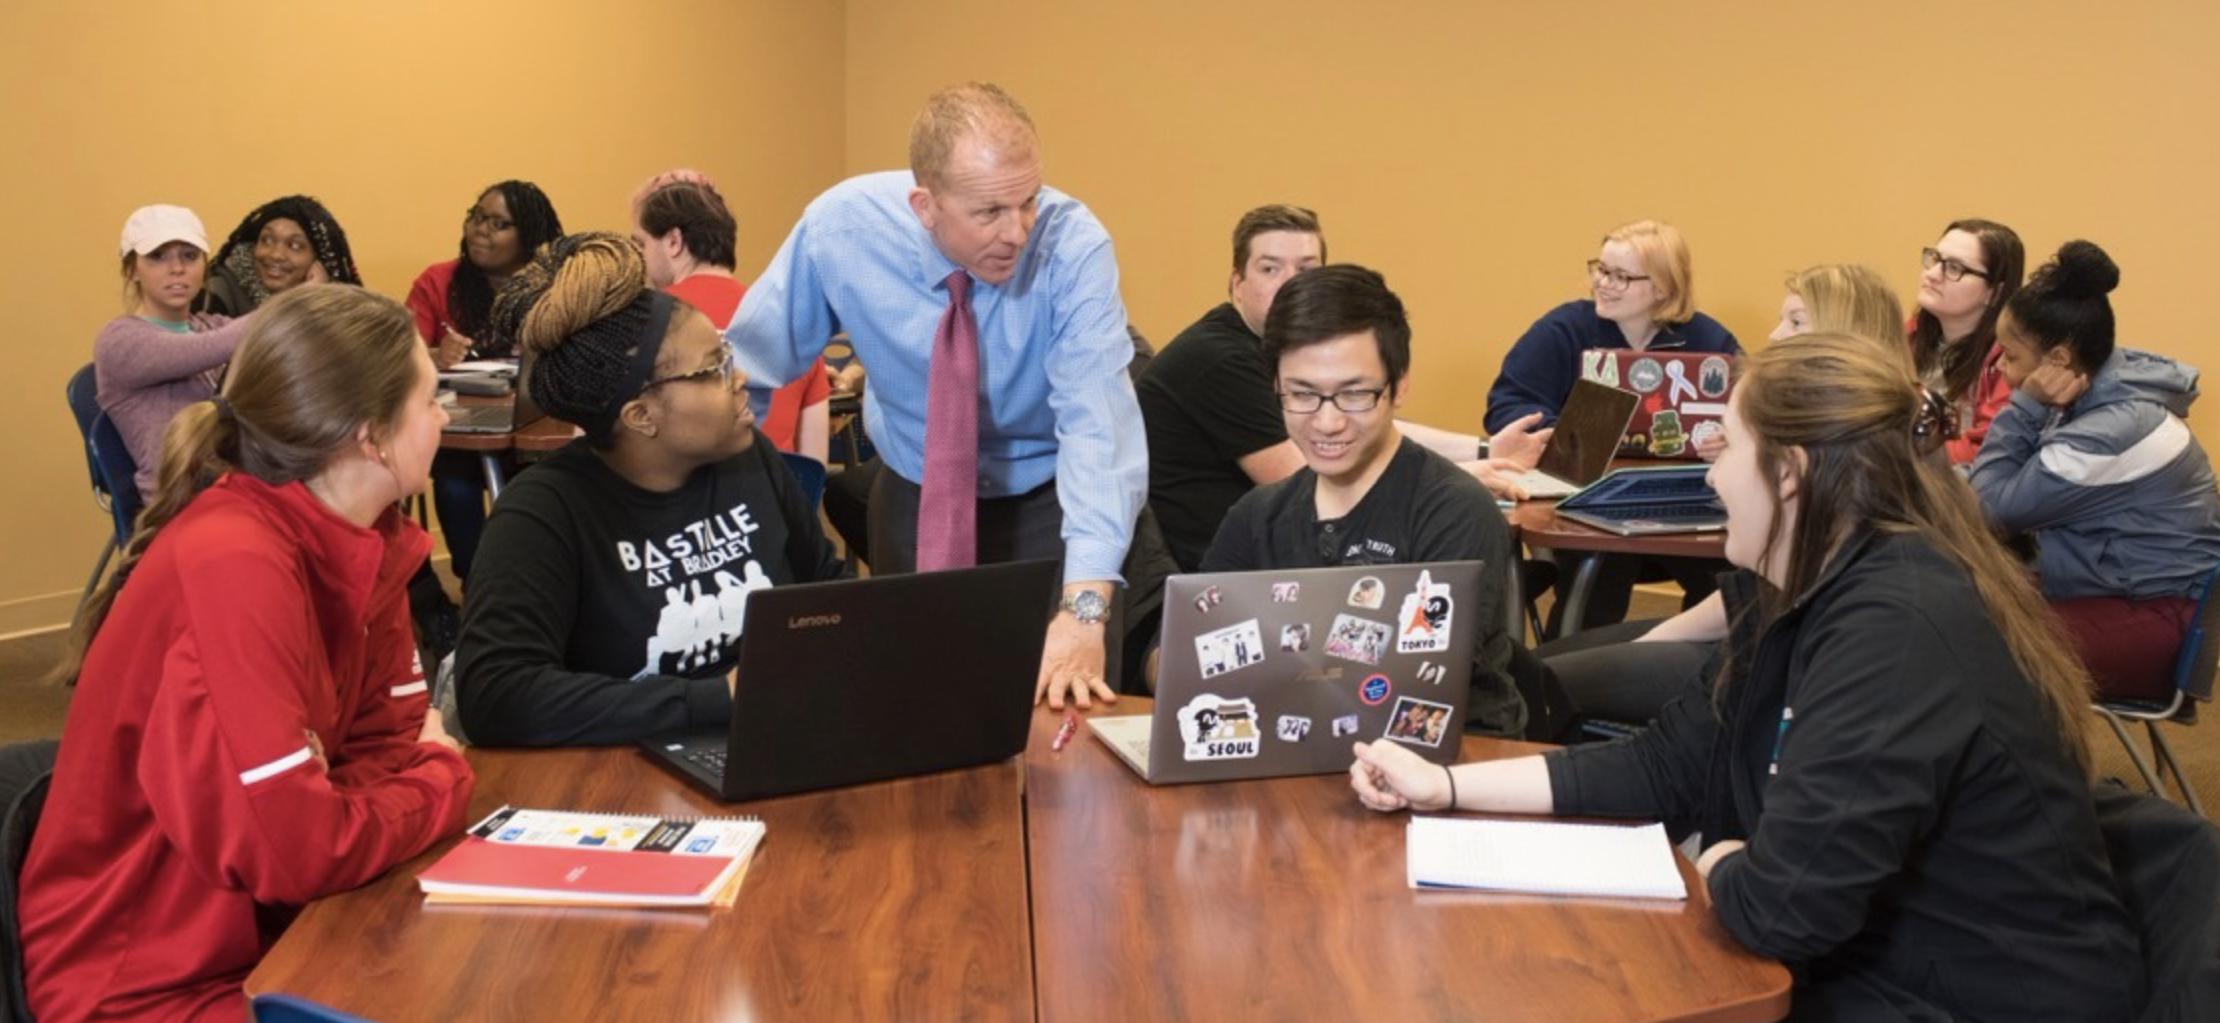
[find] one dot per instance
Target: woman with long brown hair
(1889, 772)
(1965, 279)
(251, 728)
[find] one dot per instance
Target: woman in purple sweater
(159, 356)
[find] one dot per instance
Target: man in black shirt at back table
(1214, 429)
(1367, 495)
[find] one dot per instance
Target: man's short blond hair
(959, 112)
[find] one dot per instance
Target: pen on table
(1064, 733)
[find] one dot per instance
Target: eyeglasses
(1360, 399)
(1952, 270)
(1611, 277)
(723, 370)
(474, 216)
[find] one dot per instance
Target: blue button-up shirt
(1055, 401)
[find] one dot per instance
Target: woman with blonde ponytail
(607, 606)
(1889, 774)
(251, 729)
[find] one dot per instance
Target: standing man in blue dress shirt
(1062, 461)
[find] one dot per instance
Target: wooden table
(1285, 900)
(899, 901)
(1537, 524)
(534, 441)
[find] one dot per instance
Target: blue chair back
(810, 473)
(107, 461)
(2198, 661)
(283, 1008)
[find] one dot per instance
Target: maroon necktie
(948, 507)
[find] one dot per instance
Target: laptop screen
(1588, 431)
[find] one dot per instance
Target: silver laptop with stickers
(1272, 673)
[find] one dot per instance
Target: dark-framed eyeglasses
(1355, 399)
(723, 371)
(1952, 270)
(474, 217)
(1611, 277)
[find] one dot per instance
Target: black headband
(642, 366)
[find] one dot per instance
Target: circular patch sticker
(1644, 375)
(1374, 691)
(1711, 377)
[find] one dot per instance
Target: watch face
(1088, 606)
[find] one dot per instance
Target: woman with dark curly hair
(284, 243)
(608, 607)
(451, 301)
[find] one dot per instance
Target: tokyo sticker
(1422, 626)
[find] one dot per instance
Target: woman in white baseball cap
(159, 356)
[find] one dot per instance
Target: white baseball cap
(152, 227)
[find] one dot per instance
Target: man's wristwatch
(1087, 606)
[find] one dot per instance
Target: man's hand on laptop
(1519, 443)
(1073, 656)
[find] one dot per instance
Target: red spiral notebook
(546, 857)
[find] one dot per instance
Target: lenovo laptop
(1682, 396)
(1647, 500)
(1274, 673)
(1587, 437)
(862, 680)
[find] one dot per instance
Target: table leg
(1576, 595)
(492, 461)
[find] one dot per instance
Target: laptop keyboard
(711, 760)
(481, 416)
(1665, 512)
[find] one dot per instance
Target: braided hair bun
(579, 306)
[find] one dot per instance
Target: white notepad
(1543, 857)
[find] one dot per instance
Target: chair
(24, 770)
(2166, 863)
(2195, 664)
(113, 473)
(283, 1008)
(810, 473)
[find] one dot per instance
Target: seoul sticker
(1422, 626)
(1292, 728)
(1215, 728)
(1229, 649)
(1374, 690)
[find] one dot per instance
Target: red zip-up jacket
(190, 815)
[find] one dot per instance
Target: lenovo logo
(812, 621)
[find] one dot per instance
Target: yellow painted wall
(1475, 150)
(394, 113)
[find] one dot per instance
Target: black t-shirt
(1422, 508)
(1206, 401)
(600, 612)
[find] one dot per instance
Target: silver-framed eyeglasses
(1611, 277)
(1355, 399)
(723, 371)
(1952, 270)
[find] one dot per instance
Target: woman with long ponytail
(251, 728)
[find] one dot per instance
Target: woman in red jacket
(251, 728)
(1965, 279)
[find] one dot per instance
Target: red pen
(1064, 734)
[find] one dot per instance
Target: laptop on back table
(1587, 434)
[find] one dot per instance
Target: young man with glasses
(1367, 495)
(1214, 426)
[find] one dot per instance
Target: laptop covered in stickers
(1683, 395)
(862, 680)
(1271, 673)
